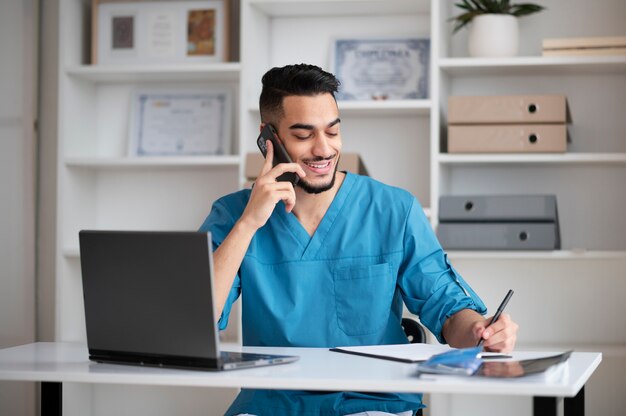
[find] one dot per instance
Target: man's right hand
(265, 195)
(267, 191)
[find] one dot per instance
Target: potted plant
(493, 27)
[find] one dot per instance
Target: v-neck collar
(312, 244)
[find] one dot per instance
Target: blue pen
(497, 315)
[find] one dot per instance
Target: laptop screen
(149, 292)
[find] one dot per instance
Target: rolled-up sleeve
(219, 223)
(431, 288)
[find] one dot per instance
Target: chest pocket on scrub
(363, 298)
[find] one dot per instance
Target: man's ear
(261, 126)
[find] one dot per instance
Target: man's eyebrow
(301, 126)
(336, 121)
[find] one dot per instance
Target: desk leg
(571, 406)
(575, 406)
(51, 398)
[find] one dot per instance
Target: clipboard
(515, 369)
(405, 353)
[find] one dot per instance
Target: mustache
(319, 158)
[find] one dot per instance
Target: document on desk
(405, 353)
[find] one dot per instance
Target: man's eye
(300, 137)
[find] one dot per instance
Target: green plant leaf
(463, 6)
(493, 6)
(478, 5)
(525, 9)
(464, 19)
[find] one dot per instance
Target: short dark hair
(300, 79)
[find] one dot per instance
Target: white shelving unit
(596, 156)
(101, 187)
(550, 286)
(401, 142)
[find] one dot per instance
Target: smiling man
(332, 261)
(320, 160)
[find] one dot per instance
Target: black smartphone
(268, 132)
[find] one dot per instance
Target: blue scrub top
(373, 251)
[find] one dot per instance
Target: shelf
(560, 158)
(152, 162)
(535, 65)
(71, 253)
(385, 108)
(497, 255)
(537, 255)
(334, 8)
(377, 108)
(228, 71)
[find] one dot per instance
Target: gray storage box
(498, 236)
(499, 222)
(517, 208)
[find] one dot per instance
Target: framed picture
(382, 69)
(152, 31)
(180, 122)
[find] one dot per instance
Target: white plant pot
(493, 35)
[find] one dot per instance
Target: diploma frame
(392, 68)
(180, 121)
(159, 31)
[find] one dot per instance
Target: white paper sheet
(405, 352)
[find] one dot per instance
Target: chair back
(413, 330)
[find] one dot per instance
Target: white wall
(545, 291)
(18, 23)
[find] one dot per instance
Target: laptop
(149, 301)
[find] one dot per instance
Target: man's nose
(321, 146)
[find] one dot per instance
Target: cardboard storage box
(507, 138)
(507, 109)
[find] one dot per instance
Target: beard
(318, 189)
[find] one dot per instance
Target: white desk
(318, 369)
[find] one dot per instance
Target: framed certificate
(382, 69)
(180, 122)
(149, 31)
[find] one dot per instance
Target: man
(331, 261)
